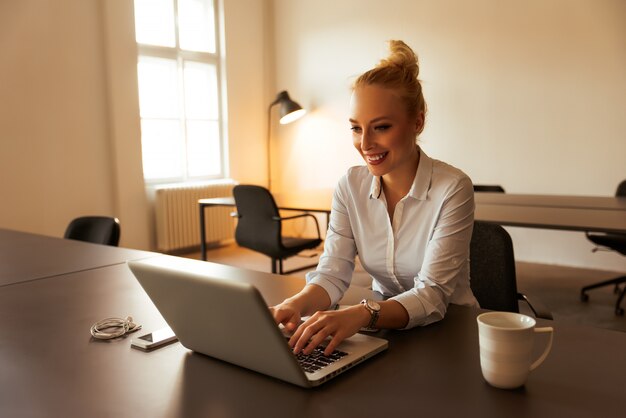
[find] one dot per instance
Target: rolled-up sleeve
(444, 274)
(336, 265)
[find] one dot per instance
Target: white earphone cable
(110, 328)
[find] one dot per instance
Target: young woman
(408, 217)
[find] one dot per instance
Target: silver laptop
(229, 320)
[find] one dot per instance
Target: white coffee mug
(506, 346)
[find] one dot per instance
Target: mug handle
(547, 350)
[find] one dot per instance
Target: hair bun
(399, 71)
(402, 57)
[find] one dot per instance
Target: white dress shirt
(422, 259)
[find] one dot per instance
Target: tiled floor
(557, 287)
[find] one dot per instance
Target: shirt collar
(375, 189)
(421, 183)
(423, 178)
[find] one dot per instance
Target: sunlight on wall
(319, 145)
(528, 94)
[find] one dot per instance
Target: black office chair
(259, 227)
(492, 271)
(488, 188)
(614, 242)
(96, 229)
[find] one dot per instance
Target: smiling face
(383, 132)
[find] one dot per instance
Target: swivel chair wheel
(619, 311)
(584, 297)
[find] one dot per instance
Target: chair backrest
(621, 189)
(96, 229)
(488, 188)
(492, 268)
(257, 227)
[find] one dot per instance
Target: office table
(557, 201)
(25, 256)
(571, 213)
(50, 366)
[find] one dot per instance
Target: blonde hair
(399, 72)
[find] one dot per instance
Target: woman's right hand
(286, 314)
(309, 300)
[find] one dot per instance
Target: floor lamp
(289, 112)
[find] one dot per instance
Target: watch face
(373, 305)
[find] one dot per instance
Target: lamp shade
(289, 110)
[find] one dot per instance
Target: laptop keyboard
(317, 360)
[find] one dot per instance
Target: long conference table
(50, 366)
(26, 257)
(561, 212)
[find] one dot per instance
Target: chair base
(617, 281)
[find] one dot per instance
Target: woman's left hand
(339, 325)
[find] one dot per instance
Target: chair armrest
(286, 218)
(538, 308)
(302, 215)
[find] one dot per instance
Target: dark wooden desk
(25, 256)
(50, 366)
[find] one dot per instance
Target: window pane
(154, 22)
(200, 91)
(203, 149)
(161, 143)
(158, 87)
(196, 25)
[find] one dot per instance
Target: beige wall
(248, 79)
(530, 95)
(527, 94)
(70, 135)
(56, 159)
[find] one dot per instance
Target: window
(179, 89)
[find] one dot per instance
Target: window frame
(176, 53)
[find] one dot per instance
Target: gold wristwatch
(374, 309)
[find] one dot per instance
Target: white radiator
(178, 215)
